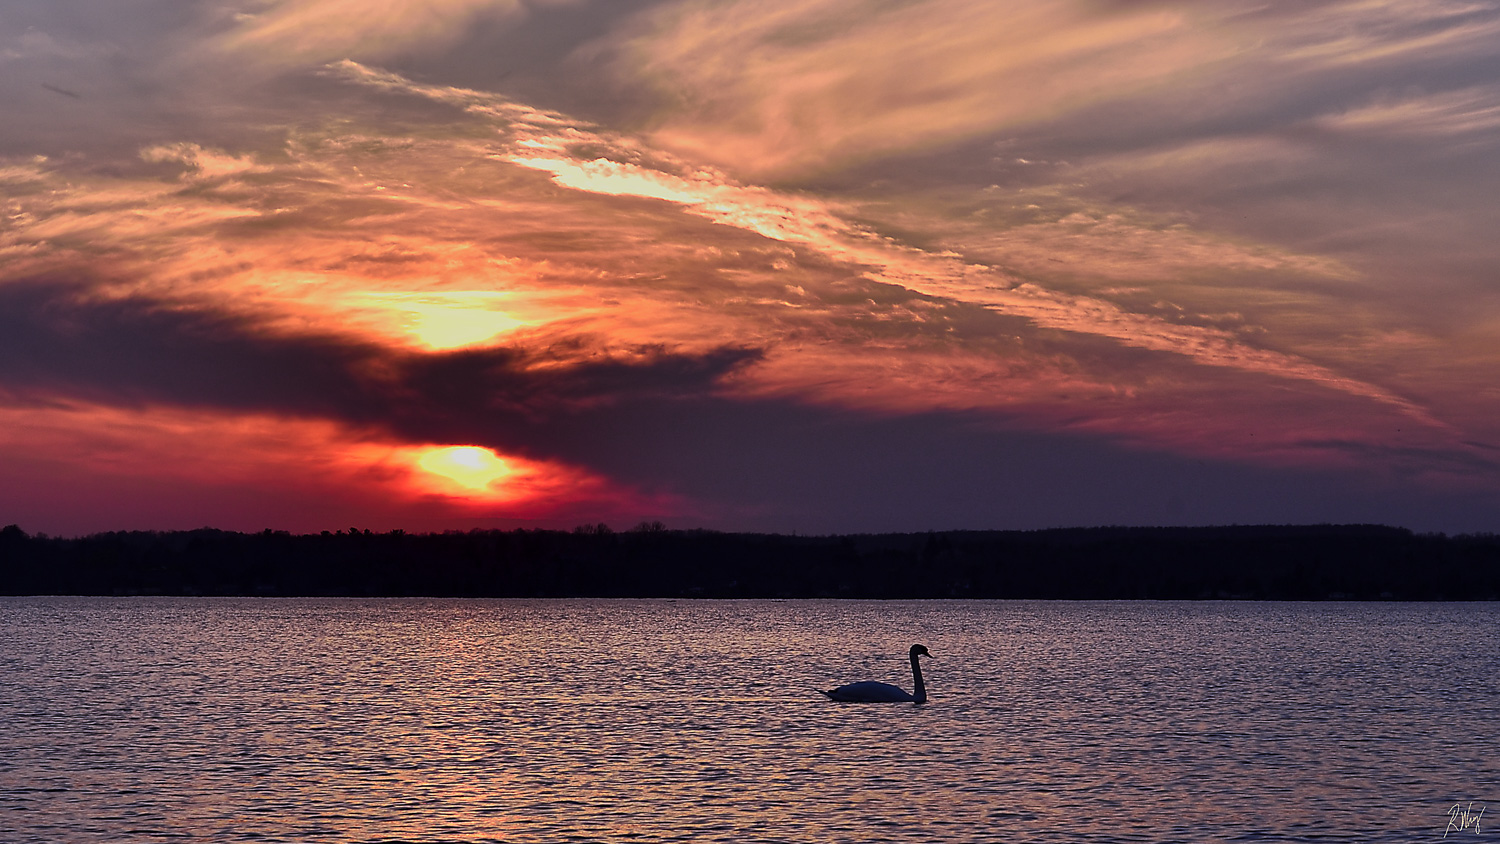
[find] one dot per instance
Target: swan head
(919, 650)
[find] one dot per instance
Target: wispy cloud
(814, 83)
(1450, 113)
(204, 164)
(1040, 232)
(300, 32)
(1368, 31)
(545, 143)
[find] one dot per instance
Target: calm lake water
(145, 719)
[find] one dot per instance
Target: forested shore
(1320, 562)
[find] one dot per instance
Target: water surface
(142, 719)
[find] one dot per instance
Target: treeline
(1325, 562)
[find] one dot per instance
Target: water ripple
(367, 721)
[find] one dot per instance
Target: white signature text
(1461, 817)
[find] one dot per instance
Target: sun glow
(230, 468)
(471, 467)
(450, 319)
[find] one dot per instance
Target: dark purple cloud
(63, 340)
(652, 423)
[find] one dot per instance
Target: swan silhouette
(872, 692)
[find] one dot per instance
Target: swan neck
(919, 689)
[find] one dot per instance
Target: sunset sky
(782, 265)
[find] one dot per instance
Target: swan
(872, 692)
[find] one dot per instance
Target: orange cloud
(817, 83)
(332, 277)
(808, 222)
(314, 31)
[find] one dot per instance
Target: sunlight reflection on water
(360, 720)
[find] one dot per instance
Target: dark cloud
(55, 336)
(653, 420)
(59, 339)
(780, 467)
(1416, 460)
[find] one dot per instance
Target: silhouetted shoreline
(1321, 562)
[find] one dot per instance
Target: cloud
(547, 142)
(306, 32)
(1041, 233)
(75, 467)
(134, 382)
(31, 44)
(204, 164)
(1450, 113)
(1223, 240)
(284, 238)
(1383, 31)
(957, 469)
(58, 340)
(817, 83)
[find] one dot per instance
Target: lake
(239, 720)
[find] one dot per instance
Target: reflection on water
(357, 720)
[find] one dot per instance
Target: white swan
(873, 692)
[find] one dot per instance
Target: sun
(468, 466)
(449, 319)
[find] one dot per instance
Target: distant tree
(1265, 562)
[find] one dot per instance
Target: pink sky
(812, 265)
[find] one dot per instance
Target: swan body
(870, 691)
